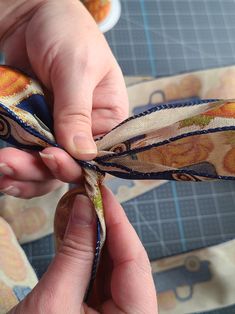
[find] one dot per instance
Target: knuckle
(120, 113)
(85, 64)
(80, 118)
(73, 113)
(77, 250)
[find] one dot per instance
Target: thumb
(72, 112)
(69, 274)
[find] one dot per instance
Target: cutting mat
(163, 37)
(160, 38)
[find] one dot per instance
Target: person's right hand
(124, 283)
(59, 43)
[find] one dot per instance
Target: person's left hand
(124, 282)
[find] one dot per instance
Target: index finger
(132, 284)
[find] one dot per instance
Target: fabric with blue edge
(174, 141)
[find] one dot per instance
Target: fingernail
(83, 211)
(84, 144)
(6, 170)
(11, 190)
(50, 161)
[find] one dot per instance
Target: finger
(74, 260)
(64, 70)
(62, 165)
(73, 106)
(116, 219)
(27, 189)
(111, 101)
(23, 166)
(132, 269)
(104, 120)
(121, 253)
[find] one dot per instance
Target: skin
(124, 283)
(59, 43)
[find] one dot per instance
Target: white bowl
(112, 18)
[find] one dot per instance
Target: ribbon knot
(173, 141)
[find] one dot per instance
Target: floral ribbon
(189, 141)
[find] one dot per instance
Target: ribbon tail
(93, 182)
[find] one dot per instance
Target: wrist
(14, 13)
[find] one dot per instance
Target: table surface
(161, 38)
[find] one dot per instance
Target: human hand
(124, 282)
(59, 43)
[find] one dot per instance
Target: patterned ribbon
(189, 141)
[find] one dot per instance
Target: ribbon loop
(181, 141)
